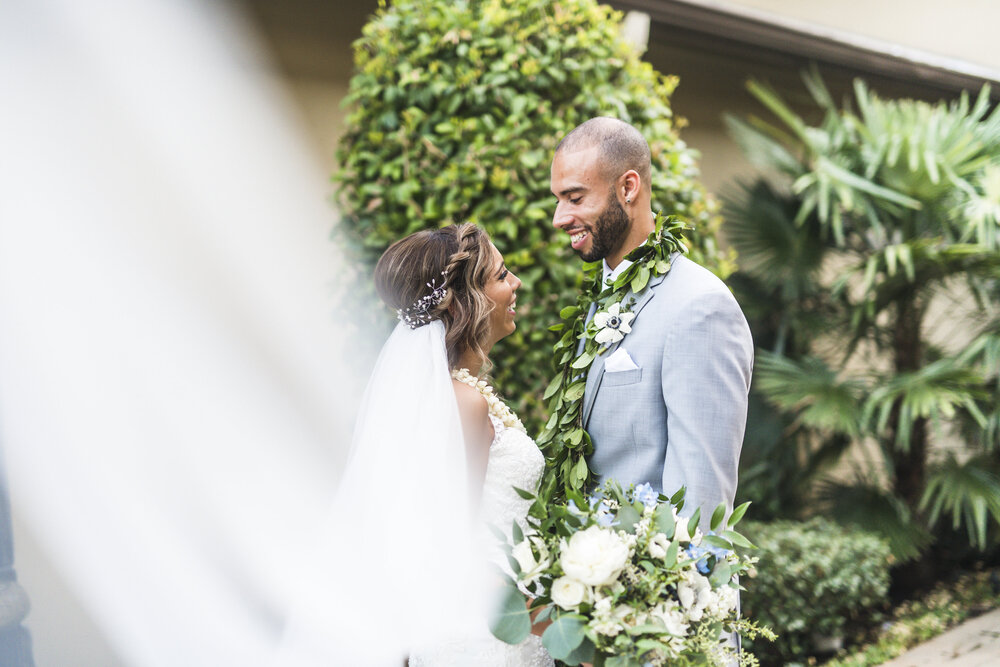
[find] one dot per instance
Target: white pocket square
(619, 361)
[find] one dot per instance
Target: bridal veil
(397, 565)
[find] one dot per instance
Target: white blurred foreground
(173, 402)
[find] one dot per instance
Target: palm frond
(763, 144)
(811, 389)
(969, 492)
(783, 255)
(934, 392)
(872, 508)
(893, 272)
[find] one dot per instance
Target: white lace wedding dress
(514, 461)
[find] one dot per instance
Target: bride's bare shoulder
(472, 405)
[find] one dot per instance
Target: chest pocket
(619, 378)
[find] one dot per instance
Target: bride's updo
(461, 258)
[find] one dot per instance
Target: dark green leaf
(737, 514)
(693, 521)
(717, 516)
(527, 495)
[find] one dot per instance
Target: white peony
(658, 546)
(568, 593)
(594, 556)
(531, 567)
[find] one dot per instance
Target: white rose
(531, 567)
(568, 593)
(658, 546)
(594, 556)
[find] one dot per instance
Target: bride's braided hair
(459, 257)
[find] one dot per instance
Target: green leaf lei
(564, 442)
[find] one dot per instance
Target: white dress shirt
(612, 274)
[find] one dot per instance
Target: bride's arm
(478, 432)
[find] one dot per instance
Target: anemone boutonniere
(564, 441)
(612, 324)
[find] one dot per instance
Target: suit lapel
(596, 373)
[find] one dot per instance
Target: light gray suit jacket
(678, 419)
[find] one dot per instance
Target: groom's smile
(587, 208)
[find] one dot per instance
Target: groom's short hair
(622, 147)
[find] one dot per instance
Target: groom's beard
(609, 231)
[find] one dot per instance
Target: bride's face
(501, 290)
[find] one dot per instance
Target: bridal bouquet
(623, 581)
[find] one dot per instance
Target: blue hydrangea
(605, 517)
(645, 494)
(701, 554)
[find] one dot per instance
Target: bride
(434, 459)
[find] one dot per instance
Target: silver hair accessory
(417, 314)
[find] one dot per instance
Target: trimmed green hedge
(456, 108)
(815, 579)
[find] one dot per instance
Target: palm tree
(870, 263)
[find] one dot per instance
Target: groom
(666, 405)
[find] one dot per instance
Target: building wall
(963, 29)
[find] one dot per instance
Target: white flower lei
(497, 407)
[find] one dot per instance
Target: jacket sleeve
(707, 362)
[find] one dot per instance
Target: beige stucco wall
(961, 29)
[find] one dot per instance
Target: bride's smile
(501, 290)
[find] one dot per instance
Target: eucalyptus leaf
(581, 654)
(511, 623)
(564, 635)
(627, 517)
(516, 532)
(663, 520)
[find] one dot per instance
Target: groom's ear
(629, 184)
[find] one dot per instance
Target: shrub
(814, 579)
(456, 109)
(922, 619)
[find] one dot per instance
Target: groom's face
(587, 208)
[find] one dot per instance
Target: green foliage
(922, 619)
(456, 108)
(511, 623)
(814, 579)
(876, 212)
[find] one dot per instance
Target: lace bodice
(514, 460)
